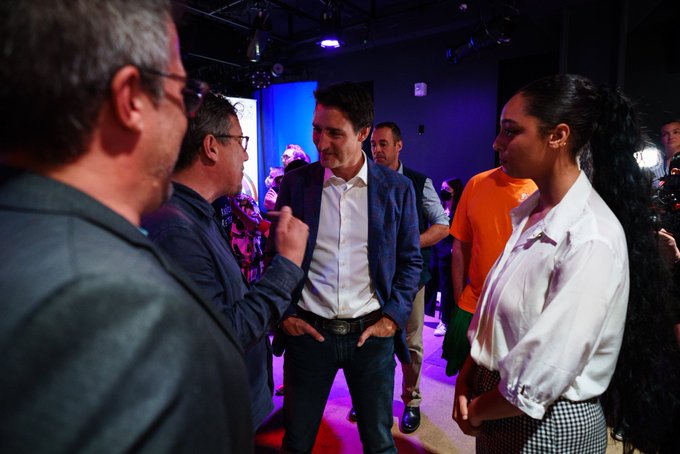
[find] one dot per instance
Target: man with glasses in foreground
(104, 345)
(210, 165)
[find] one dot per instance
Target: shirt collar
(362, 176)
(400, 169)
(555, 224)
(193, 198)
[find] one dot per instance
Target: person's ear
(363, 133)
(399, 145)
(559, 136)
(209, 148)
(128, 99)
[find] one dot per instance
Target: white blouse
(553, 307)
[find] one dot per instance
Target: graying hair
(214, 117)
(58, 58)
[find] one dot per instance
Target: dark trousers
(440, 269)
(308, 372)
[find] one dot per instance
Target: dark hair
(644, 390)
(396, 132)
(352, 99)
(457, 186)
(58, 58)
(214, 117)
(674, 120)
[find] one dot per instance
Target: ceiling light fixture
(277, 69)
(330, 27)
(259, 38)
(260, 79)
(496, 32)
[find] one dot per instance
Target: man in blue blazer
(361, 266)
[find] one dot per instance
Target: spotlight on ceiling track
(496, 32)
(259, 37)
(330, 27)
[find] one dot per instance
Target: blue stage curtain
(286, 113)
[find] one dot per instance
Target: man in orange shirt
(480, 227)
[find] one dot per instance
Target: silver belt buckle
(337, 327)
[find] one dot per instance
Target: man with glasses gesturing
(210, 165)
(104, 345)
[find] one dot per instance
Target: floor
(437, 433)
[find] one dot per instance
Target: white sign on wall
(247, 116)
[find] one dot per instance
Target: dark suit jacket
(186, 228)
(393, 239)
(105, 346)
(418, 179)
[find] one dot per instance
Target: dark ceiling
(216, 34)
(295, 25)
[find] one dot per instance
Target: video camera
(667, 204)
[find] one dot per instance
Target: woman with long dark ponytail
(573, 316)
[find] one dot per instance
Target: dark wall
(459, 115)
(593, 40)
(634, 45)
(653, 66)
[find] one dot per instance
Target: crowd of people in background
(292, 158)
(140, 283)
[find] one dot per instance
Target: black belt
(340, 326)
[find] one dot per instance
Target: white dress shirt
(338, 284)
(553, 307)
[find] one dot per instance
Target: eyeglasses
(244, 139)
(192, 94)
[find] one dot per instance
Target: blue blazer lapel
(311, 209)
(377, 192)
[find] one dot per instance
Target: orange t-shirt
(483, 219)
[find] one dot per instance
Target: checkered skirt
(566, 427)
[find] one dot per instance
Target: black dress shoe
(410, 420)
(619, 433)
(352, 415)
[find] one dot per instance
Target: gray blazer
(104, 345)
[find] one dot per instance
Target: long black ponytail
(644, 392)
